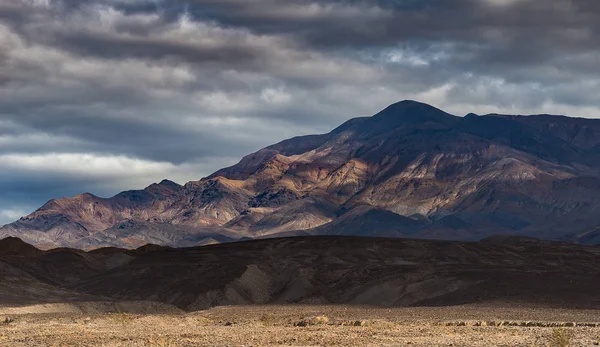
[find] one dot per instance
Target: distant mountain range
(411, 170)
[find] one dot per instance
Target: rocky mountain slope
(501, 272)
(409, 171)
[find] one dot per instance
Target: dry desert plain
(296, 325)
(319, 291)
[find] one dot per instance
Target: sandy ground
(305, 326)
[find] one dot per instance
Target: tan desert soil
(97, 307)
(304, 326)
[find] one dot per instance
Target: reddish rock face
(410, 170)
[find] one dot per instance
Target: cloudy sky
(107, 95)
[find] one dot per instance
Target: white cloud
(7, 216)
(275, 96)
(109, 167)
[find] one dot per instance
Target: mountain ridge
(463, 178)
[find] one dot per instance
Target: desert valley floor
(305, 291)
(305, 325)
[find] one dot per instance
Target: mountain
(162, 213)
(411, 170)
(502, 272)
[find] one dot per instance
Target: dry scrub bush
(318, 320)
(204, 321)
(561, 338)
(121, 318)
(267, 319)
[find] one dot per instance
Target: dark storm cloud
(104, 95)
(333, 24)
(516, 40)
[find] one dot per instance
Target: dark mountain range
(505, 272)
(411, 170)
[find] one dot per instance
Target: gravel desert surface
(306, 325)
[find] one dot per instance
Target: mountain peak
(410, 112)
(164, 184)
(410, 103)
(411, 107)
(169, 183)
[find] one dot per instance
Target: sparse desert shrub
(360, 323)
(267, 319)
(204, 321)
(117, 308)
(318, 320)
(561, 337)
(121, 318)
(6, 320)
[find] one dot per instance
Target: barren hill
(503, 272)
